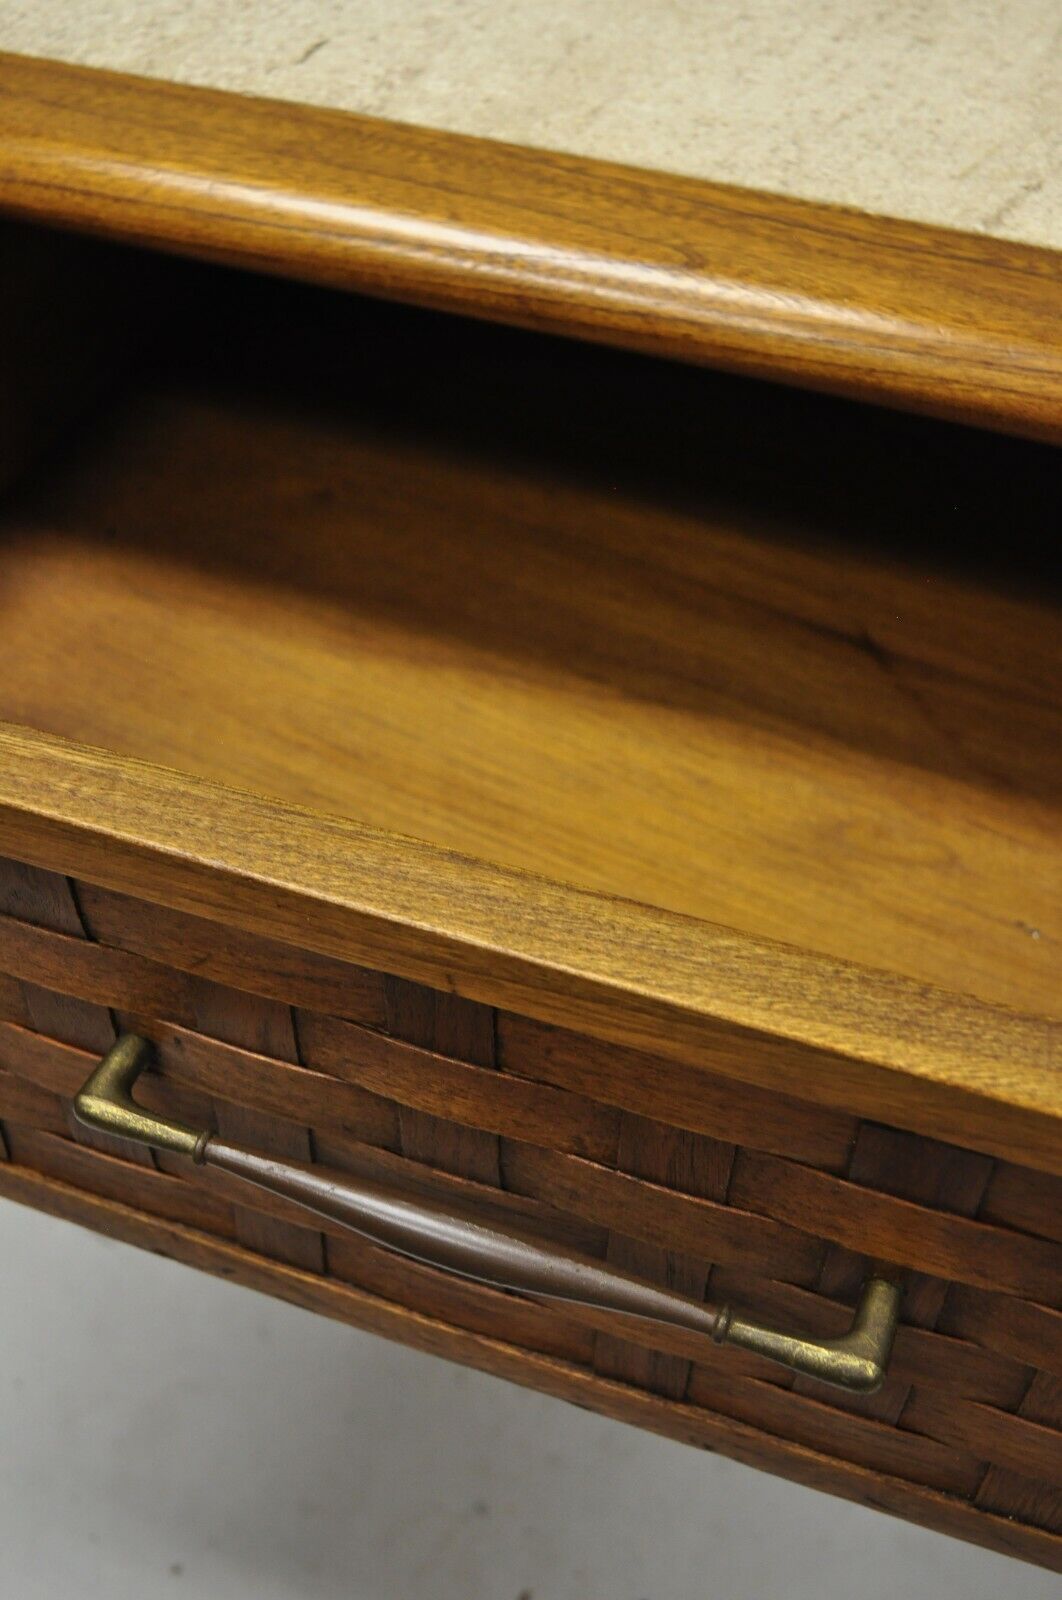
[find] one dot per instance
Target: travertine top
(945, 111)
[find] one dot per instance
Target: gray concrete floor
(235, 1447)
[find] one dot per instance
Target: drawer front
(717, 1188)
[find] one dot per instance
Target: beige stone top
(945, 111)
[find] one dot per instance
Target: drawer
(719, 1189)
(614, 801)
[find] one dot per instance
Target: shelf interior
(748, 654)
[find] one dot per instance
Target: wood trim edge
(866, 1042)
(959, 326)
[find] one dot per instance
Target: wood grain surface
(573, 613)
(368, 670)
(955, 325)
(45, 900)
(839, 1035)
(453, 1100)
(537, 604)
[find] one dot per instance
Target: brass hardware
(856, 1361)
(454, 1239)
(106, 1102)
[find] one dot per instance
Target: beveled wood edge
(856, 1039)
(689, 1424)
(955, 325)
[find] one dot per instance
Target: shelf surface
(630, 626)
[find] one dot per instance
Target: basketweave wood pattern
(711, 1185)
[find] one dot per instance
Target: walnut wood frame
(964, 1433)
(954, 325)
(765, 1044)
(941, 1064)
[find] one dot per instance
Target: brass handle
(451, 1237)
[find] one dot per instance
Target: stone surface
(945, 111)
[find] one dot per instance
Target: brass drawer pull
(451, 1238)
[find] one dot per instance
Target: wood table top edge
(960, 326)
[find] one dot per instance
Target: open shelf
(772, 660)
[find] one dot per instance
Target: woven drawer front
(767, 1201)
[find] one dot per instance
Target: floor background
(235, 1447)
